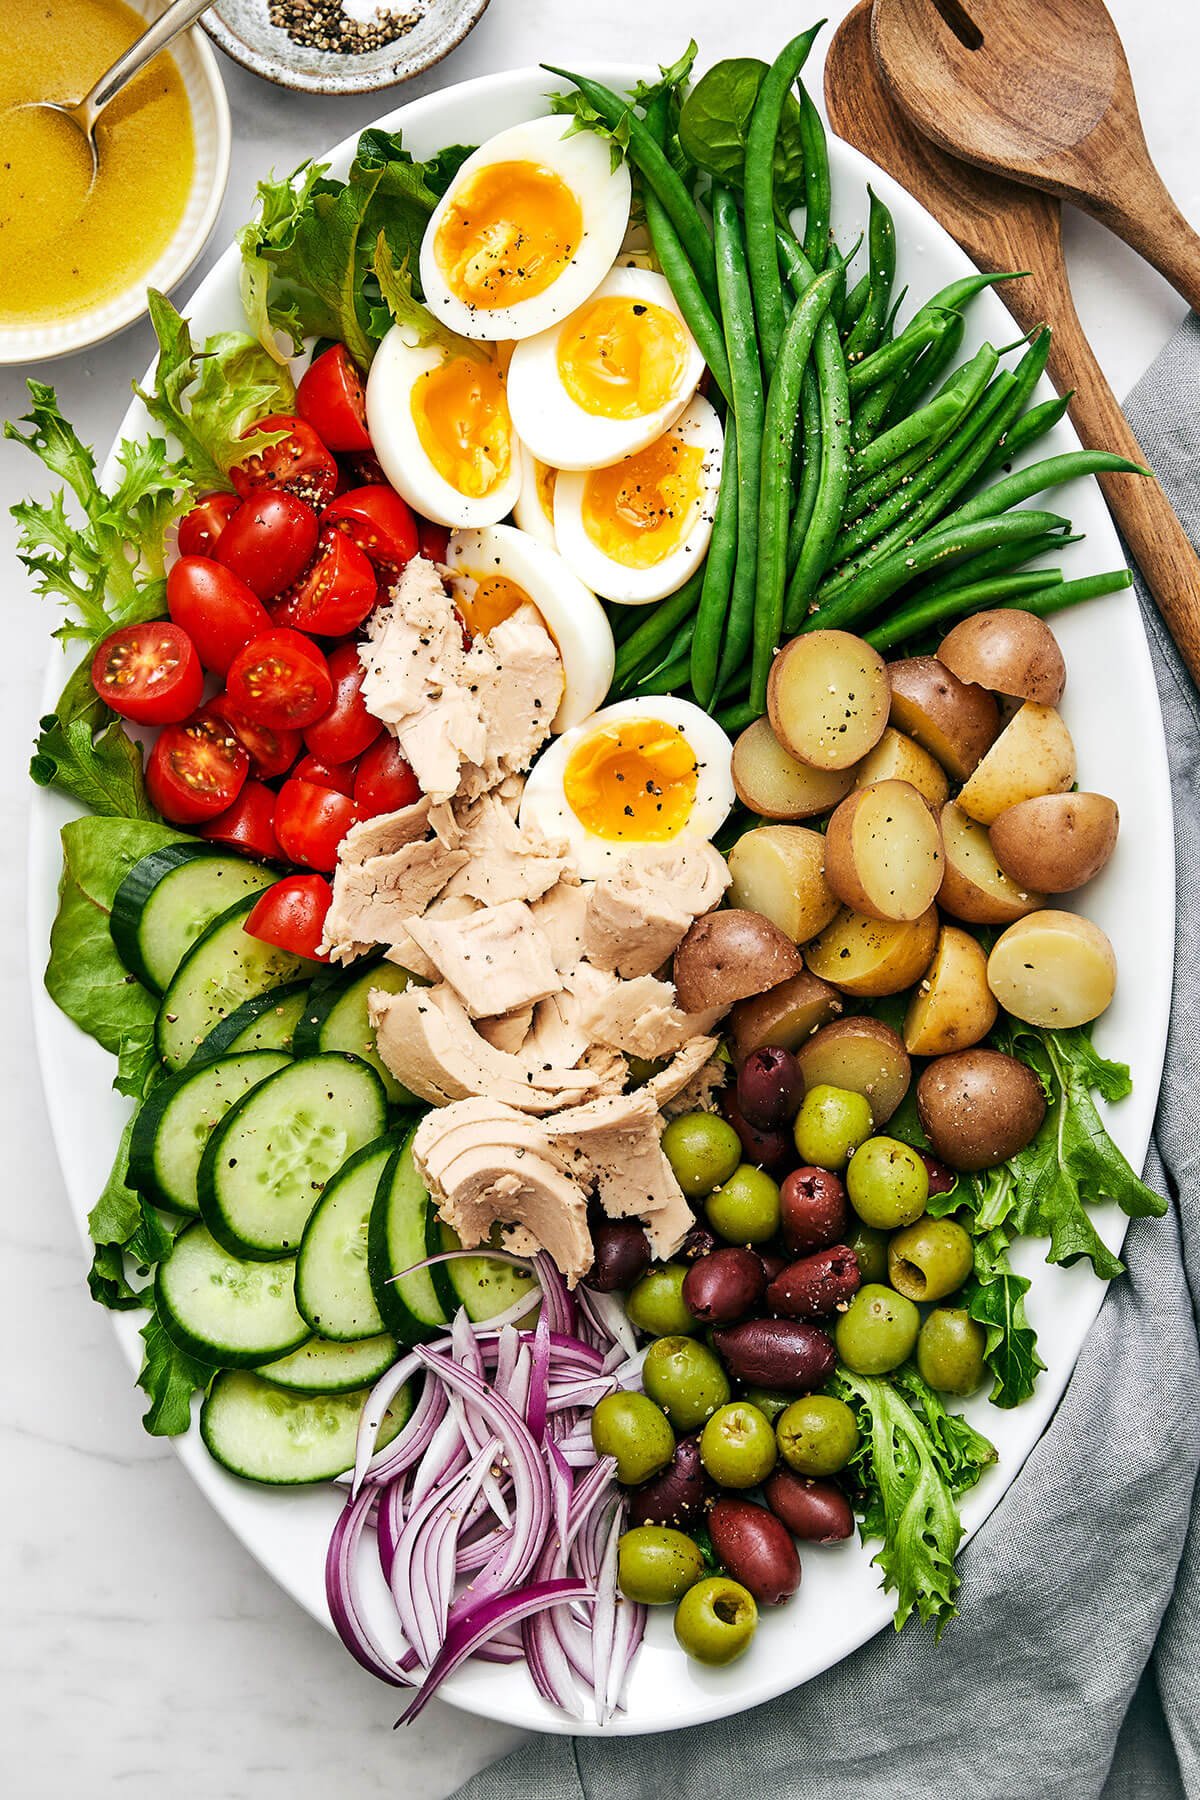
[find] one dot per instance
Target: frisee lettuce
(400, 306)
(83, 749)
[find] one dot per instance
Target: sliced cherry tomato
(336, 593)
(292, 915)
(347, 728)
(149, 673)
(269, 541)
(367, 468)
(384, 782)
(281, 680)
(195, 770)
(379, 522)
(248, 824)
(298, 462)
(218, 612)
(200, 529)
(311, 821)
(271, 752)
(338, 776)
(331, 398)
(433, 540)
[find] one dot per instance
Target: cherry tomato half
(218, 612)
(338, 776)
(149, 673)
(433, 540)
(347, 728)
(311, 821)
(384, 782)
(281, 680)
(335, 594)
(330, 397)
(248, 825)
(292, 915)
(379, 522)
(195, 770)
(272, 752)
(269, 541)
(298, 462)
(200, 529)
(363, 469)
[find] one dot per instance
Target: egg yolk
(509, 231)
(633, 781)
(460, 410)
(496, 598)
(621, 358)
(640, 510)
(545, 478)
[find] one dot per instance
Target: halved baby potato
(974, 886)
(1056, 842)
(785, 1016)
(865, 1057)
(729, 954)
(883, 852)
(779, 871)
(827, 698)
(954, 720)
(1010, 651)
(1053, 969)
(873, 957)
(1033, 755)
(898, 758)
(952, 1005)
(769, 780)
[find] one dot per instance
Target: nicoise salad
(577, 822)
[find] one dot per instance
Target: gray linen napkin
(1074, 1668)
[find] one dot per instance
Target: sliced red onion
(556, 1297)
(389, 1524)
(572, 1353)
(562, 1487)
(539, 1378)
(608, 1318)
(445, 1458)
(341, 1591)
(481, 1622)
(426, 1560)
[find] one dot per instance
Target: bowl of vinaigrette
(76, 253)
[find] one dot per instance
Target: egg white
(544, 803)
(530, 511)
(572, 614)
(698, 425)
(555, 427)
(402, 456)
(583, 161)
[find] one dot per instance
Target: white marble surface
(142, 1650)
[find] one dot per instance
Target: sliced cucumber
(178, 1117)
(266, 1165)
(333, 1288)
(263, 1433)
(403, 1231)
(264, 1022)
(170, 897)
(223, 1310)
(484, 1285)
(223, 968)
(335, 1018)
(320, 1367)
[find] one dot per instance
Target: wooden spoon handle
(1137, 206)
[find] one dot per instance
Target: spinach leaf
(84, 750)
(995, 1299)
(715, 120)
(169, 1377)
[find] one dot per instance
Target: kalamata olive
(817, 1512)
(777, 1353)
(700, 1241)
(724, 1286)
(756, 1549)
(773, 1264)
(621, 1255)
(817, 1285)
(770, 1088)
(813, 1209)
(941, 1179)
(765, 1149)
(677, 1494)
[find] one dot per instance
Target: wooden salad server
(1002, 226)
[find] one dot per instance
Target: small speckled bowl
(243, 30)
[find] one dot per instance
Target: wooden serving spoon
(1002, 226)
(1041, 93)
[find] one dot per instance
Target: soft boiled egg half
(502, 568)
(530, 225)
(636, 530)
(534, 510)
(440, 426)
(608, 380)
(640, 772)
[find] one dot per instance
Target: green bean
(1023, 484)
(817, 190)
(655, 630)
(967, 385)
(924, 612)
(759, 177)
(810, 465)
(897, 355)
(836, 260)
(928, 369)
(669, 678)
(733, 719)
(737, 313)
(939, 416)
(698, 315)
(1027, 430)
(1070, 593)
(881, 245)
(651, 160)
(718, 575)
(778, 441)
(1000, 561)
(856, 299)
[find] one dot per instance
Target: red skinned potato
(787, 1354)
(956, 721)
(1009, 651)
(883, 851)
(817, 1512)
(952, 1006)
(756, 1549)
(827, 698)
(779, 871)
(728, 955)
(770, 782)
(816, 1286)
(870, 958)
(974, 886)
(1033, 755)
(785, 1016)
(1054, 969)
(1056, 842)
(979, 1107)
(862, 1055)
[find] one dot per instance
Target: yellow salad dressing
(67, 244)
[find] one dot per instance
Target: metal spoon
(84, 113)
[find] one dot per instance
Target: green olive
(737, 1446)
(817, 1435)
(656, 1565)
(686, 1379)
(871, 1249)
(703, 1150)
(767, 1400)
(877, 1331)
(745, 1209)
(631, 1428)
(950, 1351)
(831, 1124)
(655, 1303)
(888, 1183)
(930, 1259)
(715, 1620)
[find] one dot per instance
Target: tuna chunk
(613, 1142)
(496, 959)
(684, 1068)
(372, 900)
(562, 914)
(506, 862)
(516, 677)
(639, 911)
(641, 1018)
(507, 1031)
